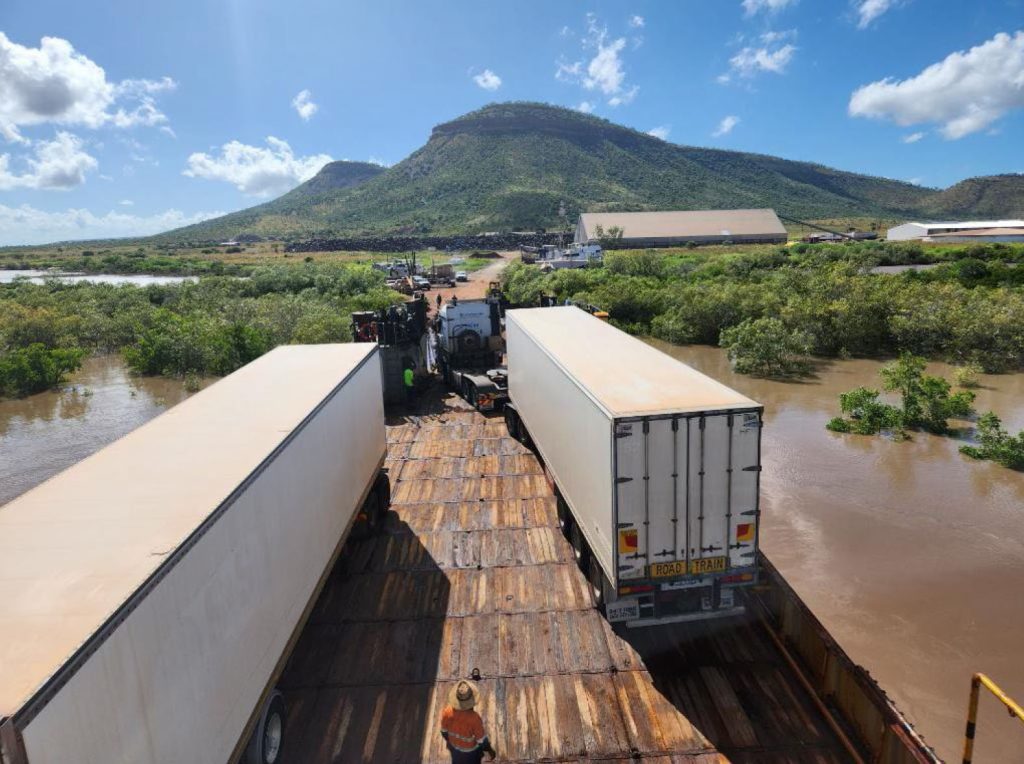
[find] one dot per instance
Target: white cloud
(624, 97)
(168, 131)
(28, 225)
(605, 70)
(488, 80)
(726, 125)
(255, 170)
(912, 138)
(661, 131)
(304, 106)
(964, 93)
(56, 84)
(59, 164)
(586, 107)
(751, 7)
(565, 32)
(637, 22)
(869, 10)
(749, 61)
(127, 203)
(566, 72)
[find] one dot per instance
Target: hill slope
(994, 196)
(510, 166)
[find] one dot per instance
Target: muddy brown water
(911, 554)
(43, 434)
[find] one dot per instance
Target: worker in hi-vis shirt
(462, 728)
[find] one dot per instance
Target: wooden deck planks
(472, 573)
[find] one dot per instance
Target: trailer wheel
(268, 738)
(595, 576)
(578, 543)
(512, 422)
(564, 516)
(382, 501)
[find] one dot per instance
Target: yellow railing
(972, 710)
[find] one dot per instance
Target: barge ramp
(472, 576)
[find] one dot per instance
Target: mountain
(511, 166)
(993, 196)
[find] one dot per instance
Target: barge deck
(472, 574)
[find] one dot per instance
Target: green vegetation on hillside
(509, 166)
(967, 310)
(209, 327)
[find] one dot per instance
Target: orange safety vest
(465, 729)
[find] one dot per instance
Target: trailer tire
(564, 515)
(512, 421)
(578, 544)
(265, 745)
(382, 503)
(595, 577)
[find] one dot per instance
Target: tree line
(210, 327)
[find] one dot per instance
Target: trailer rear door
(686, 494)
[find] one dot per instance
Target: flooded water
(46, 433)
(910, 553)
(139, 279)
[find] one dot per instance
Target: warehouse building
(970, 230)
(674, 228)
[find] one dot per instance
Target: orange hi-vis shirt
(465, 729)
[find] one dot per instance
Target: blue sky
(133, 117)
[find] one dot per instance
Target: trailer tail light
(737, 578)
(640, 589)
(484, 401)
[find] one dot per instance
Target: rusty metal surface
(472, 572)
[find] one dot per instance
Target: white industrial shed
(669, 228)
(969, 230)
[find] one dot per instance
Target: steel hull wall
(179, 678)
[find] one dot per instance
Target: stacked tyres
(268, 738)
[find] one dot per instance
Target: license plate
(678, 568)
(623, 610)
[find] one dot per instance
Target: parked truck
(656, 466)
(469, 348)
(153, 592)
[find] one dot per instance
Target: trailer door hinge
(623, 479)
(754, 468)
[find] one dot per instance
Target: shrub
(927, 400)
(766, 348)
(997, 444)
(967, 376)
(36, 368)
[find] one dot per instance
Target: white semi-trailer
(151, 594)
(656, 466)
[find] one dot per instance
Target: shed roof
(680, 224)
(981, 232)
(625, 376)
(969, 224)
(76, 547)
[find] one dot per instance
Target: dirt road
(476, 287)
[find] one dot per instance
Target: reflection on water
(43, 434)
(910, 553)
(139, 279)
